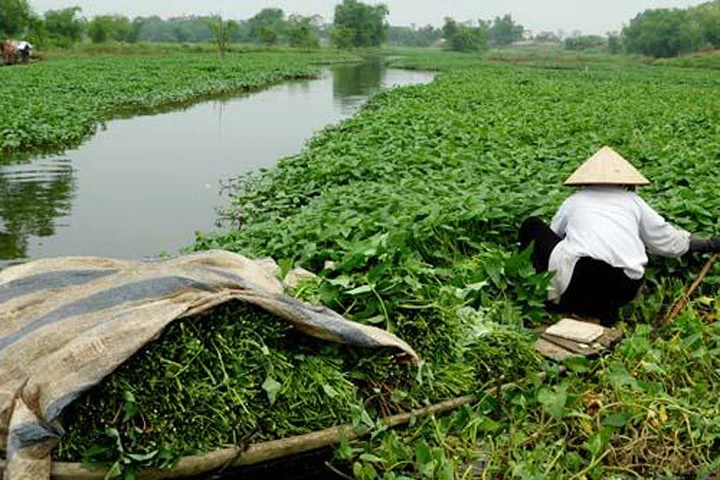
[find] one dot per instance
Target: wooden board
(576, 331)
(552, 351)
(558, 348)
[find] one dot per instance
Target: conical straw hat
(607, 167)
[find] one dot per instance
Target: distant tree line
(661, 33)
(356, 24)
(67, 26)
(655, 32)
(413, 36)
(671, 32)
(477, 36)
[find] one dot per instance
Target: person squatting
(598, 241)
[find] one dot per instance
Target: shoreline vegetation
(57, 104)
(106, 81)
(408, 212)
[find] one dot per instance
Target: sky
(589, 16)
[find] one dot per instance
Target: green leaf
(422, 452)
(398, 396)
(553, 401)
(272, 388)
(343, 281)
(329, 391)
(115, 470)
(619, 377)
(578, 364)
(115, 435)
(358, 470)
(130, 407)
(360, 290)
(617, 420)
(597, 443)
(344, 451)
(369, 457)
(139, 457)
(476, 287)
(377, 319)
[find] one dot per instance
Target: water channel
(144, 185)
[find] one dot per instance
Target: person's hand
(715, 244)
(702, 245)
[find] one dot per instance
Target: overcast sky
(590, 16)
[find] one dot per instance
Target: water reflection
(143, 185)
(33, 197)
(352, 84)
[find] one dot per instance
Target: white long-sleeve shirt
(613, 225)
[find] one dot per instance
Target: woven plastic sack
(67, 323)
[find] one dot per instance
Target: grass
(534, 56)
(160, 48)
(705, 60)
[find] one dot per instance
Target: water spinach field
(409, 213)
(418, 199)
(142, 185)
(57, 104)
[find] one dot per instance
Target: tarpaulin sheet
(67, 323)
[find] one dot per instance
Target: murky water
(144, 185)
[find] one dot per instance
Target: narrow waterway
(142, 186)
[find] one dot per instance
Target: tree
(267, 35)
(181, 33)
(614, 43)
(301, 33)
(707, 19)
(36, 31)
(118, 28)
(136, 27)
(465, 37)
(450, 30)
(15, 16)
(221, 30)
(100, 29)
(190, 29)
(242, 33)
(585, 42)
(505, 31)
(414, 37)
(155, 29)
(342, 37)
(122, 29)
(65, 27)
(662, 33)
(547, 37)
(360, 24)
(267, 26)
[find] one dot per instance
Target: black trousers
(596, 289)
